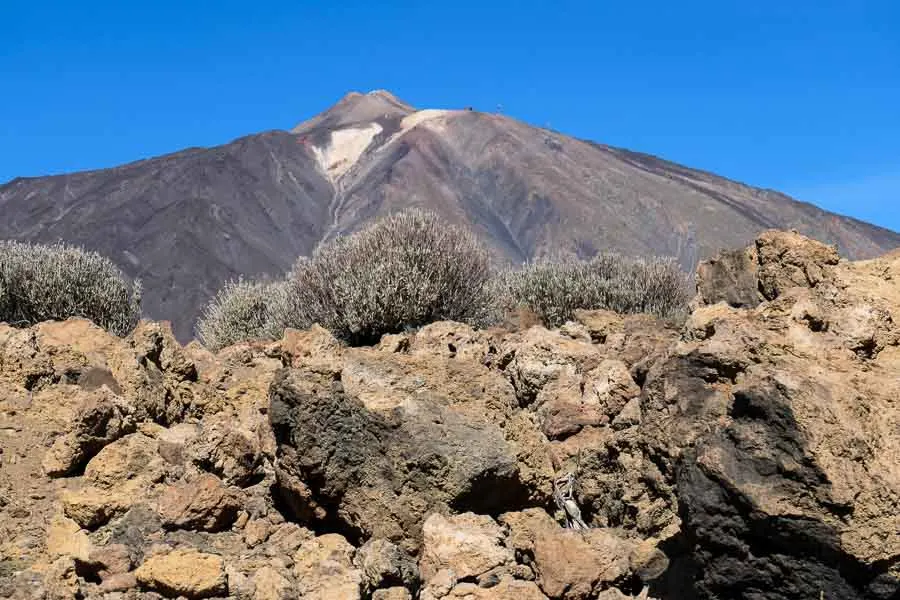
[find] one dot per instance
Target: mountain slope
(186, 222)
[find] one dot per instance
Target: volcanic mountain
(184, 223)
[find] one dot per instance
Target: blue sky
(799, 96)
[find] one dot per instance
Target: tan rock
(287, 538)
(610, 386)
(132, 457)
(787, 260)
(569, 564)
(204, 504)
(324, 570)
(451, 340)
(92, 507)
(62, 582)
(109, 560)
(384, 564)
(66, 538)
(438, 585)
(226, 449)
(314, 347)
(562, 408)
(507, 589)
(269, 584)
(542, 356)
(185, 573)
(100, 419)
(467, 544)
(393, 593)
(172, 441)
(629, 416)
(119, 582)
(256, 531)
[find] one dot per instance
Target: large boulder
(382, 471)
(778, 426)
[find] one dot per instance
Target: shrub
(55, 282)
(553, 291)
(244, 310)
(404, 271)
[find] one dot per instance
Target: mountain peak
(355, 108)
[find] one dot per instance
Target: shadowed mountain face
(186, 222)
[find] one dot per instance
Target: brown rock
(92, 507)
(269, 584)
(506, 589)
(204, 504)
(62, 580)
(287, 538)
(119, 582)
(787, 260)
(568, 563)
(451, 340)
(172, 442)
(384, 564)
(109, 560)
(100, 420)
(314, 347)
(66, 538)
(324, 569)
(222, 447)
(185, 573)
(610, 386)
(467, 544)
(256, 531)
(438, 585)
(394, 593)
(731, 277)
(542, 357)
(629, 416)
(127, 459)
(779, 427)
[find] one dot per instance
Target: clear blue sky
(801, 96)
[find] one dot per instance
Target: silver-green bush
(55, 282)
(404, 271)
(244, 310)
(553, 291)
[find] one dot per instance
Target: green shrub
(404, 271)
(244, 310)
(54, 282)
(553, 291)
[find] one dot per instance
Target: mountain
(186, 222)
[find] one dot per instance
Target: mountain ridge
(187, 221)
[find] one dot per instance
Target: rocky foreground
(752, 453)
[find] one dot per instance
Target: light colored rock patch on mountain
(344, 150)
(432, 116)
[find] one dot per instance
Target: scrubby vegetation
(553, 291)
(244, 310)
(55, 282)
(405, 271)
(411, 269)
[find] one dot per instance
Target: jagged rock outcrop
(779, 424)
(751, 452)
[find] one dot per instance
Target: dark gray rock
(379, 474)
(731, 277)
